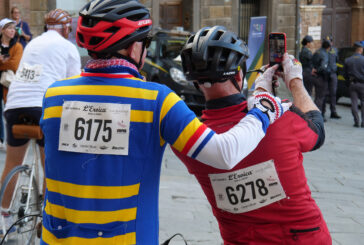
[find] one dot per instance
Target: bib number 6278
(233, 193)
(85, 128)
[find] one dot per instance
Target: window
(248, 8)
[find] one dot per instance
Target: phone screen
(277, 48)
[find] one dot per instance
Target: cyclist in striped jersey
(106, 131)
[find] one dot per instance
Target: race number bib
(98, 128)
(29, 73)
(247, 189)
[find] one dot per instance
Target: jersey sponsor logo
(239, 176)
(91, 108)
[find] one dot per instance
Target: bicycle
(25, 205)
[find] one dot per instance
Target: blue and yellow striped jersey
(113, 199)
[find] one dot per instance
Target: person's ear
(131, 50)
(239, 76)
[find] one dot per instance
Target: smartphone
(277, 48)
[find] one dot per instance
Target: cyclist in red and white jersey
(265, 199)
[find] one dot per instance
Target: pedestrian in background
(332, 80)
(354, 73)
(10, 54)
(305, 57)
(23, 33)
(321, 64)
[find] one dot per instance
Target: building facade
(339, 18)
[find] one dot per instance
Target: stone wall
(357, 29)
(286, 22)
(216, 12)
(311, 16)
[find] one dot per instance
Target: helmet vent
(105, 11)
(112, 29)
(80, 37)
(218, 35)
(127, 10)
(88, 22)
(233, 40)
(204, 33)
(95, 40)
(136, 17)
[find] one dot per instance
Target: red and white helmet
(106, 26)
(57, 17)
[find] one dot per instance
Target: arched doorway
(336, 21)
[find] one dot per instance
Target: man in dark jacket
(321, 64)
(354, 72)
(332, 85)
(305, 57)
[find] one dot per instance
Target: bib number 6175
(232, 193)
(85, 128)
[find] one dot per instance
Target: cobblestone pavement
(335, 175)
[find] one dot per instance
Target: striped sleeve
(180, 128)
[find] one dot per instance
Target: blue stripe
(70, 229)
(87, 204)
(204, 142)
(261, 116)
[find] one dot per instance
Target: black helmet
(213, 54)
(106, 26)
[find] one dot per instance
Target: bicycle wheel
(25, 202)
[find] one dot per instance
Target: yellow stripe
(69, 78)
(339, 65)
(170, 100)
(141, 116)
(126, 239)
(135, 115)
(90, 191)
(93, 217)
(119, 91)
(51, 112)
(155, 65)
(186, 134)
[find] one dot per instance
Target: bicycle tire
(25, 229)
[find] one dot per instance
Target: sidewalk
(335, 174)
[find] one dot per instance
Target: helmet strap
(141, 55)
(235, 83)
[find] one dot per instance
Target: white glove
(268, 104)
(265, 80)
(292, 69)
